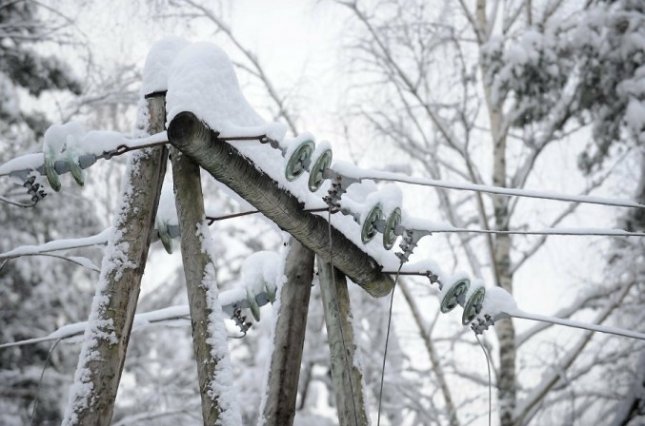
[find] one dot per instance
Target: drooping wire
(490, 386)
(387, 340)
(340, 323)
(16, 203)
(212, 219)
(40, 381)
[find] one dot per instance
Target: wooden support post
(347, 378)
(91, 400)
(226, 164)
(189, 201)
(289, 337)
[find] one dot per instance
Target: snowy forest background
(546, 95)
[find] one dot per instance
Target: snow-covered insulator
(298, 158)
(370, 223)
(454, 294)
(390, 230)
(253, 305)
(164, 236)
(496, 305)
(474, 300)
(320, 161)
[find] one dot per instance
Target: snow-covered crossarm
(190, 135)
(231, 301)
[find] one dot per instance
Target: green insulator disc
(368, 231)
(298, 160)
(316, 171)
(75, 169)
(455, 292)
(389, 233)
(50, 172)
(473, 305)
(165, 238)
(271, 292)
(253, 305)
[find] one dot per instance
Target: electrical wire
(496, 190)
(582, 232)
(387, 340)
(577, 324)
(212, 219)
(490, 386)
(40, 381)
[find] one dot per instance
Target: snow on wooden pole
(289, 337)
(226, 164)
(209, 335)
(91, 399)
(347, 377)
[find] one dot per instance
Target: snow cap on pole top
(202, 80)
(158, 61)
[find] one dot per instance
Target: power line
(511, 192)
(582, 232)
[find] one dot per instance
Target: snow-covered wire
(230, 299)
(446, 228)
(581, 232)
(362, 174)
(97, 144)
(576, 324)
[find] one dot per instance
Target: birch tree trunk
(289, 337)
(502, 268)
(91, 399)
(209, 336)
(347, 377)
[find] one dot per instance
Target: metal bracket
(479, 325)
(339, 185)
(409, 242)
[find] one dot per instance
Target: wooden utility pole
(289, 337)
(197, 260)
(91, 400)
(347, 378)
(189, 134)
